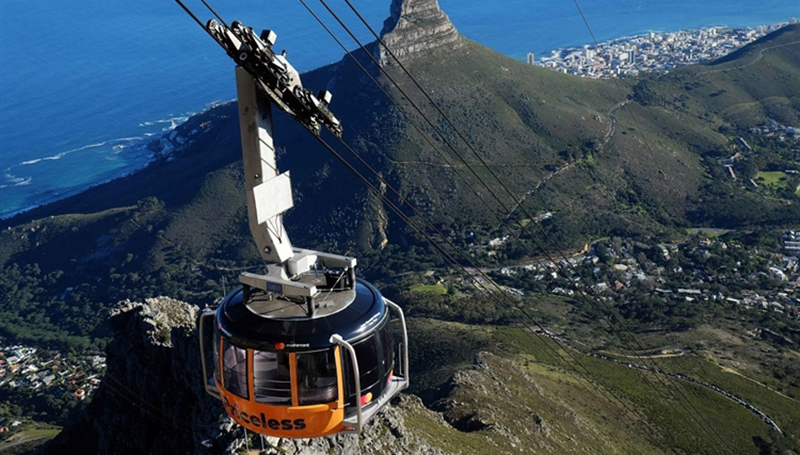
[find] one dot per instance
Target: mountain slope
(632, 157)
(501, 391)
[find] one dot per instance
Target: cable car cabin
(283, 373)
(306, 349)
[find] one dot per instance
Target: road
(758, 57)
(663, 355)
(613, 127)
(629, 363)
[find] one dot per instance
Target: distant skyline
(652, 52)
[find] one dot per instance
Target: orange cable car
(282, 373)
(306, 349)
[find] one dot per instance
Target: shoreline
(686, 30)
(154, 147)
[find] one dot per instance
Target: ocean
(83, 85)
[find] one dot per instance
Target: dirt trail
(732, 371)
(662, 355)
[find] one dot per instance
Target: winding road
(759, 413)
(613, 127)
(758, 57)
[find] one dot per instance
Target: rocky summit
(415, 26)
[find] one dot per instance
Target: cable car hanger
(305, 349)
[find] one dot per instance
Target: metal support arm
(269, 194)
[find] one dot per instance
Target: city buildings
(652, 51)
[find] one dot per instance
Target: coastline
(77, 189)
(144, 152)
(132, 167)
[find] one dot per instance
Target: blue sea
(83, 85)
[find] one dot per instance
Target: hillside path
(613, 127)
(629, 363)
(732, 371)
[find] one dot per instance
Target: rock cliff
(415, 26)
(152, 400)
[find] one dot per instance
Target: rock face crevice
(415, 26)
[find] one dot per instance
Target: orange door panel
(284, 421)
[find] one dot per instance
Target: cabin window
(316, 377)
(369, 366)
(387, 345)
(375, 354)
(234, 370)
(271, 379)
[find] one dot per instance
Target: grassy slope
(532, 402)
(27, 441)
(518, 118)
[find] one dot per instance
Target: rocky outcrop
(383, 435)
(152, 399)
(416, 26)
(498, 398)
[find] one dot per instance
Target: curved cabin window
(375, 356)
(316, 377)
(234, 370)
(369, 365)
(271, 380)
(387, 344)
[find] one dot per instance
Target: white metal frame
(210, 389)
(398, 384)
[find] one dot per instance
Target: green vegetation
(450, 307)
(528, 393)
(26, 438)
(437, 288)
(42, 405)
(734, 423)
(440, 349)
(781, 408)
(776, 178)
